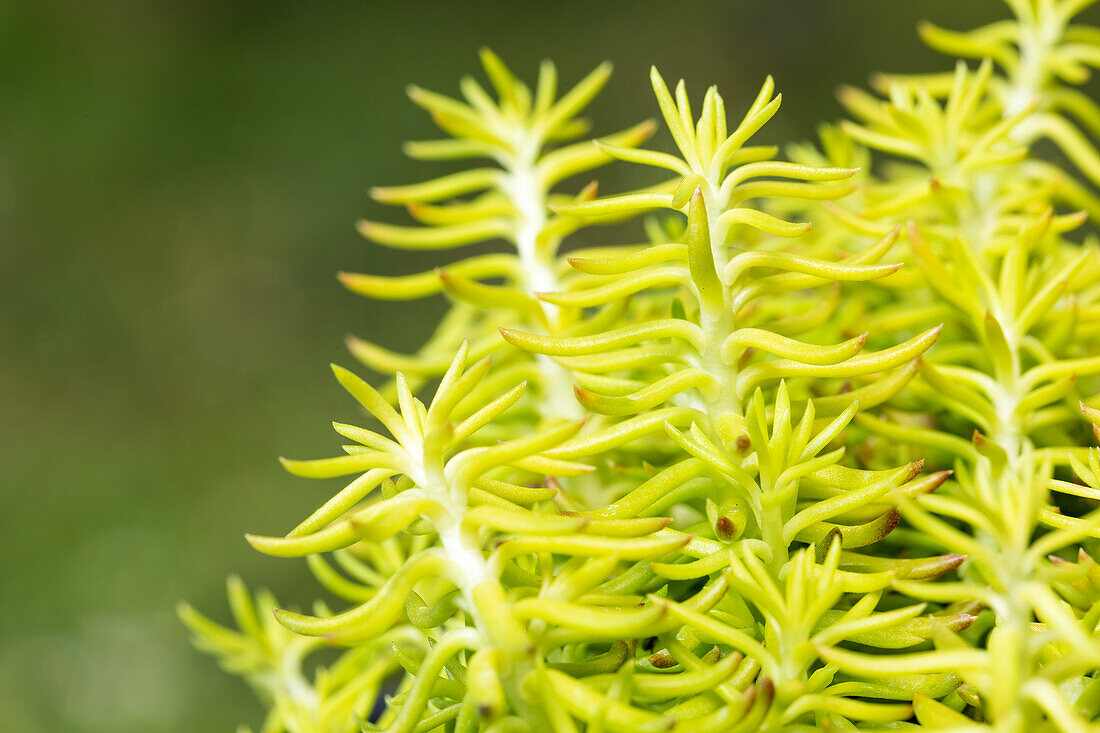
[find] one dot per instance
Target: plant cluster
(750, 474)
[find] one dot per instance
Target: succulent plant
(814, 456)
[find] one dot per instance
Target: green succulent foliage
(814, 456)
(755, 483)
(271, 658)
(528, 140)
(988, 229)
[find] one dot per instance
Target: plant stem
(528, 196)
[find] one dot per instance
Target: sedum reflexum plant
(816, 455)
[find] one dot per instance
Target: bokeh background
(178, 184)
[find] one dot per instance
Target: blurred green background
(178, 184)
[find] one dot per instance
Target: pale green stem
(976, 221)
(470, 571)
(528, 196)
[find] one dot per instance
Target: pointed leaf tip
(937, 479)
